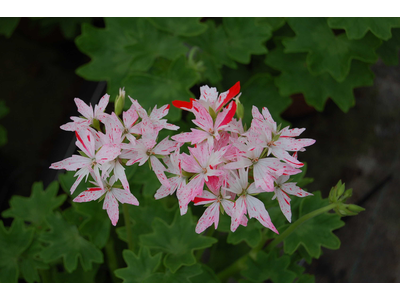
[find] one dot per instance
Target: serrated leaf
(125, 45)
(261, 91)
(140, 267)
(14, 242)
(206, 276)
(8, 25)
(212, 51)
(178, 240)
(315, 232)
(245, 38)
(97, 225)
(65, 242)
(356, 28)
(38, 206)
(327, 52)
(77, 276)
(30, 262)
(182, 275)
(151, 90)
(295, 78)
(389, 50)
(269, 266)
(179, 26)
(251, 234)
(143, 216)
(274, 22)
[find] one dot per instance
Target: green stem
(296, 224)
(111, 258)
(128, 227)
(45, 276)
(240, 263)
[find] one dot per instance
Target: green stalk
(240, 263)
(128, 227)
(296, 224)
(111, 258)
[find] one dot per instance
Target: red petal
(233, 91)
(183, 104)
(230, 114)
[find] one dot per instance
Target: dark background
(38, 83)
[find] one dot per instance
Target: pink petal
(99, 108)
(90, 194)
(239, 209)
(256, 209)
(107, 153)
(130, 117)
(292, 189)
(159, 170)
(84, 109)
(284, 203)
(85, 142)
(290, 144)
(232, 92)
(119, 173)
(124, 196)
(72, 163)
(210, 216)
(111, 205)
(286, 132)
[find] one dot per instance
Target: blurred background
(38, 82)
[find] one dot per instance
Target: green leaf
(125, 45)
(315, 232)
(13, 243)
(65, 242)
(327, 52)
(179, 26)
(261, 91)
(70, 27)
(77, 276)
(178, 240)
(295, 78)
(38, 206)
(389, 51)
(30, 262)
(212, 51)
(67, 180)
(143, 215)
(162, 89)
(140, 267)
(97, 225)
(206, 276)
(274, 23)
(8, 25)
(245, 38)
(356, 28)
(251, 234)
(182, 275)
(269, 266)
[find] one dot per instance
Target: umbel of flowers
(225, 169)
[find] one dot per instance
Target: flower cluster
(126, 141)
(224, 167)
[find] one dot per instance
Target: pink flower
(282, 190)
(88, 113)
(93, 160)
(246, 202)
(112, 195)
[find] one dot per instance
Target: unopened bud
(355, 208)
(239, 108)
(120, 102)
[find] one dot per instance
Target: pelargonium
(225, 167)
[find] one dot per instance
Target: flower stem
(240, 263)
(128, 227)
(111, 258)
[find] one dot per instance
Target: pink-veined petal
(119, 173)
(256, 209)
(283, 155)
(290, 144)
(284, 203)
(84, 109)
(228, 207)
(286, 132)
(232, 92)
(239, 209)
(210, 216)
(124, 196)
(292, 189)
(101, 106)
(85, 142)
(130, 117)
(90, 194)
(107, 153)
(159, 170)
(111, 205)
(72, 163)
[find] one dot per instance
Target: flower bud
(240, 108)
(119, 102)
